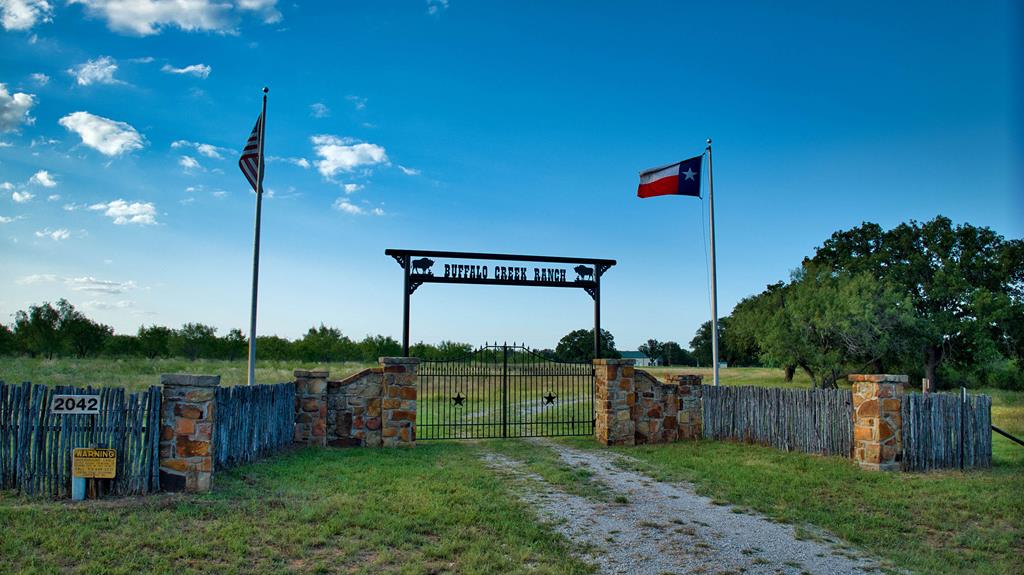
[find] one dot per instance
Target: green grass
(761, 376)
(433, 509)
(140, 373)
(546, 463)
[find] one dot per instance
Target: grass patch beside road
(433, 509)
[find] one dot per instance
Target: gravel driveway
(661, 528)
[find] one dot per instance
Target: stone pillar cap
(399, 360)
(189, 380)
(876, 378)
(614, 362)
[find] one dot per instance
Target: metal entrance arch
(464, 268)
(503, 390)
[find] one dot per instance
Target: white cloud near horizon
(98, 71)
(109, 137)
(196, 70)
(21, 197)
(24, 14)
(14, 109)
(122, 212)
(343, 205)
(345, 154)
(208, 150)
(55, 235)
(43, 178)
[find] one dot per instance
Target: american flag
(250, 162)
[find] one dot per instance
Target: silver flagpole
(256, 242)
(714, 279)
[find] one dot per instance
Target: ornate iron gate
(504, 391)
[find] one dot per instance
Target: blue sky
(481, 126)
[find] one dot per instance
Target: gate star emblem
(549, 399)
(689, 173)
(458, 399)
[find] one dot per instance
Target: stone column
(186, 436)
(614, 395)
(398, 401)
(690, 416)
(877, 440)
(311, 407)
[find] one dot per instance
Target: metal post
(405, 309)
(714, 279)
(256, 243)
(963, 413)
(597, 313)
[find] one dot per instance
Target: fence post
(311, 407)
(877, 423)
(614, 396)
(188, 412)
(691, 414)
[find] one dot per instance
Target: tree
(701, 342)
(274, 347)
(8, 345)
(830, 325)
(234, 345)
(578, 345)
(154, 341)
(324, 344)
(965, 283)
(374, 347)
(81, 335)
(652, 349)
(194, 340)
(120, 345)
(673, 354)
(37, 331)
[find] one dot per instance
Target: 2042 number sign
(75, 405)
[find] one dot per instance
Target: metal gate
(504, 391)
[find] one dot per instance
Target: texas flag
(679, 179)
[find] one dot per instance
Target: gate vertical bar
(405, 307)
(597, 312)
(504, 391)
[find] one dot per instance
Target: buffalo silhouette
(583, 272)
(422, 265)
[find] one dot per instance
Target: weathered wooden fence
(944, 431)
(252, 421)
(812, 420)
(35, 445)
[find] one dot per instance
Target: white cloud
(219, 193)
(300, 162)
(98, 71)
(43, 178)
(436, 6)
(74, 207)
(122, 212)
(409, 171)
(14, 109)
(319, 110)
(197, 70)
(24, 14)
(109, 137)
(37, 279)
(148, 17)
(92, 285)
(55, 235)
(208, 150)
(39, 78)
(4, 144)
(53, 197)
(266, 8)
(348, 207)
(189, 163)
(7, 186)
(102, 305)
(6, 220)
(344, 154)
(352, 188)
(358, 102)
(22, 197)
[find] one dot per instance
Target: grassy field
(430, 510)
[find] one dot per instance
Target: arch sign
(425, 266)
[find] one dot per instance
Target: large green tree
(965, 283)
(37, 330)
(154, 341)
(578, 345)
(194, 340)
(81, 336)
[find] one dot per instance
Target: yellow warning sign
(94, 462)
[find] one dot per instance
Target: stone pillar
(690, 416)
(398, 401)
(186, 437)
(877, 440)
(311, 407)
(614, 395)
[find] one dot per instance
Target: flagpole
(714, 279)
(256, 243)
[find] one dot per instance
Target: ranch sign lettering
(423, 267)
